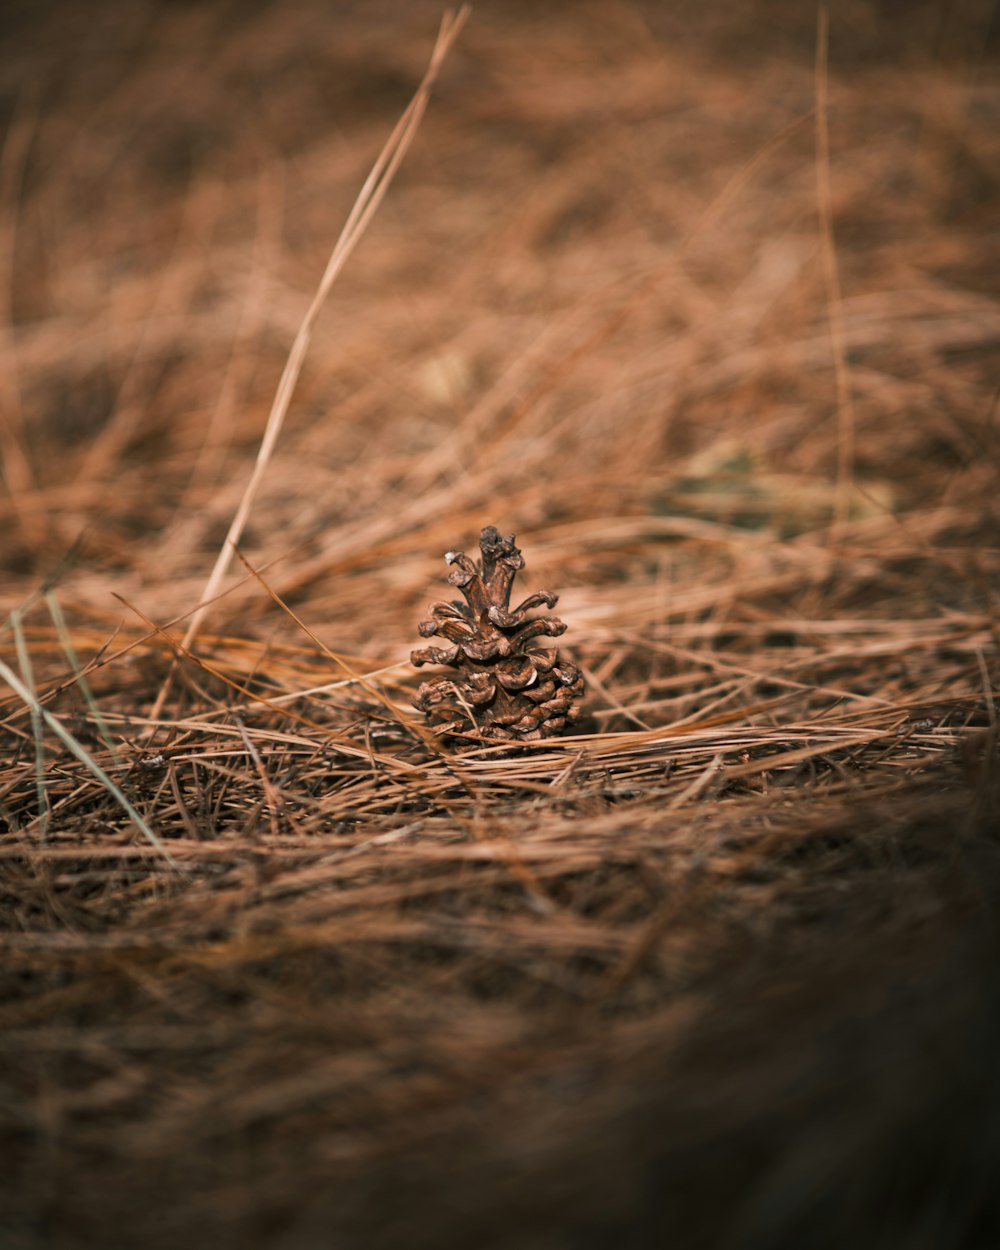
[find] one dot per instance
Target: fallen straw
(360, 217)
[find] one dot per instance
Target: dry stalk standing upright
(501, 690)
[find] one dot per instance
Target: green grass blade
(91, 765)
(24, 663)
(56, 612)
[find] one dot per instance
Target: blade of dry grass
(360, 217)
(831, 272)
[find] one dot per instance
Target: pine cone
(501, 689)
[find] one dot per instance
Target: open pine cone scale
(502, 689)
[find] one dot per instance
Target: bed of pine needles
(713, 330)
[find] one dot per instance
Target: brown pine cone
(501, 689)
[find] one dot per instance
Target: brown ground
(718, 972)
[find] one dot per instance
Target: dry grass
(718, 971)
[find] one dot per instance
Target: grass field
(701, 302)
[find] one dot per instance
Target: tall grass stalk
(365, 206)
